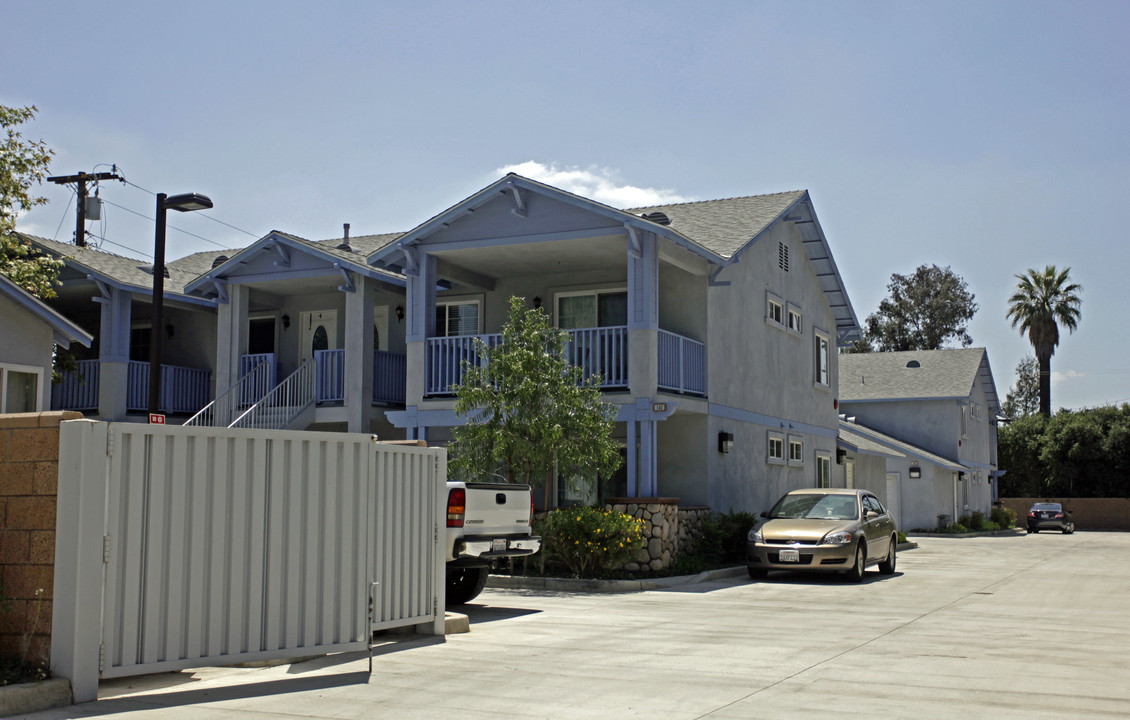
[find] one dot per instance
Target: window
(775, 311)
(593, 308)
(776, 451)
(795, 319)
(457, 318)
(964, 422)
(822, 374)
(139, 344)
(796, 451)
(823, 471)
(19, 388)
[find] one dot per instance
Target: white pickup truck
(485, 522)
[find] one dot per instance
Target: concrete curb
(580, 585)
(991, 533)
(31, 697)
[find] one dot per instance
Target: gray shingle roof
(120, 269)
(940, 374)
(863, 444)
(725, 226)
(65, 331)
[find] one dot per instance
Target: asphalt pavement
(1029, 627)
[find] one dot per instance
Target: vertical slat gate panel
(198, 545)
(178, 550)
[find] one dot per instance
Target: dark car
(1050, 516)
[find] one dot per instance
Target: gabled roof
(717, 230)
(65, 331)
(851, 432)
(327, 250)
(916, 375)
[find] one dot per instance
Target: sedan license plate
(498, 545)
(788, 556)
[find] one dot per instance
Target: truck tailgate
(497, 509)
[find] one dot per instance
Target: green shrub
(957, 528)
(989, 526)
(590, 541)
(902, 537)
(1003, 517)
(722, 539)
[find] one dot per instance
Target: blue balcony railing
(389, 376)
(183, 389)
(682, 364)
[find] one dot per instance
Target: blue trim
(769, 421)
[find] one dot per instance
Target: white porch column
(359, 354)
(113, 354)
(643, 315)
(420, 319)
(231, 337)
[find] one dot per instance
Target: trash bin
(943, 522)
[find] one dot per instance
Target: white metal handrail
(282, 404)
(254, 384)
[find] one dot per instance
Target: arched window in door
(320, 339)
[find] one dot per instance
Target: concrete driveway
(1027, 627)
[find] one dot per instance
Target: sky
(987, 136)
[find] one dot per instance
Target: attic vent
(220, 260)
(149, 269)
(783, 256)
(914, 364)
(657, 217)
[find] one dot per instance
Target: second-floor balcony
(389, 377)
(597, 351)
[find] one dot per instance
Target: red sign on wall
(156, 419)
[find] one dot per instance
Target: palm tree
(1042, 302)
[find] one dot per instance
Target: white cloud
(596, 183)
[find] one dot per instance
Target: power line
(198, 237)
(203, 214)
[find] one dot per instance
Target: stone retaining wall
(29, 476)
(671, 529)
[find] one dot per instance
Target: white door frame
(380, 324)
(310, 320)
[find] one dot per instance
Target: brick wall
(1088, 513)
(29, 473)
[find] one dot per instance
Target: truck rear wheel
(465, 584)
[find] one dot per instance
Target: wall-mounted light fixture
(725, 442)
(915, 472)
(840, 455)
(170, 330)
(286, 322)
(400, 313)
(537, 302)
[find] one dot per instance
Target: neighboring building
(30, 330)
(939, 402)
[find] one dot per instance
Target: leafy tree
(23, 163)
(529, 411)
(924, 311)
(1043, 301)
(1023, 397)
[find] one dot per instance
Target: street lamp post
(181, 203)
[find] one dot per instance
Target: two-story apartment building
(937, 410)
(714, 326)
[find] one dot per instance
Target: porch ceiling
(548, 257)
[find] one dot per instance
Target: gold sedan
(824, 530)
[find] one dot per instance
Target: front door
(319, 332)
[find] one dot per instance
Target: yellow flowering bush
(590, 541)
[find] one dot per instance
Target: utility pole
(82, 178)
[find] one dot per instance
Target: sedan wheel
(887, 567)
(856, 573)
(756, 573)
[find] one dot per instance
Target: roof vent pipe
(345, 242)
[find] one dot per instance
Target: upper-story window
(458, 317)
(823, 376)
(775, 452)
(796, 451)
(775, 310)
(795, 324)
(592, 308)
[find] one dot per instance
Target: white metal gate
(216, 546)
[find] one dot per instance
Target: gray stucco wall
(757, 367)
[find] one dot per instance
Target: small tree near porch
(529, 410)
